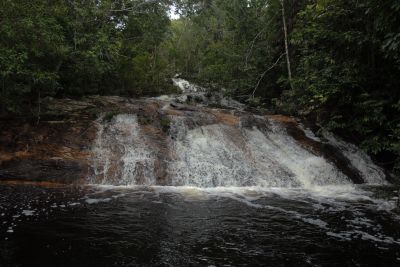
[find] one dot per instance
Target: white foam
(342, 236)
(207, 157)
(120, 154)
(309, 170)
(187, 87)
(309, 133)
(97, 200)
(28, 212)
(371, 173)
(358, 234)
(317, 222)
(222, 155)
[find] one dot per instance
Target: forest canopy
(333, 62)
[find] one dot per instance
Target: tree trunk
(286, 45)
(39, 102)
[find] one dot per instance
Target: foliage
(224, 43)
(75, 48)
(346, 64)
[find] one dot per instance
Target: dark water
(165, 226)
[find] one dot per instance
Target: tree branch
(134, 8)
(265, 72)
(251, 46)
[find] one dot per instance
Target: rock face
(169, 140)
(57, 149)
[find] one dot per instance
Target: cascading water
(187, 87)
(371, 173)
(120, 156)
(175, 183)
(206, 147)
(221, 155)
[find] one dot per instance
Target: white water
(192, 92)
(120, 154)
(219, 155)
(187, 87)
(205, 153)
(371, 173)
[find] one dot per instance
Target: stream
(206, 185)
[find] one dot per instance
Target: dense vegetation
(74, 48)
(334, 62)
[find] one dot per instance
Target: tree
(289, 69)
(75, 48)
(345, 76)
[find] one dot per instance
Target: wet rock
(45, 152)
(250, 121)
(327, 151)
(60, 170)
(60, 147)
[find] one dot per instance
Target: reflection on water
(187, 226)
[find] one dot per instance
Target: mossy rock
(165, 124)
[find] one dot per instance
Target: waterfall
(120, 155)
(371, 173)
(206, 147)
(187, 87)
(219, 155)
(222, 155)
